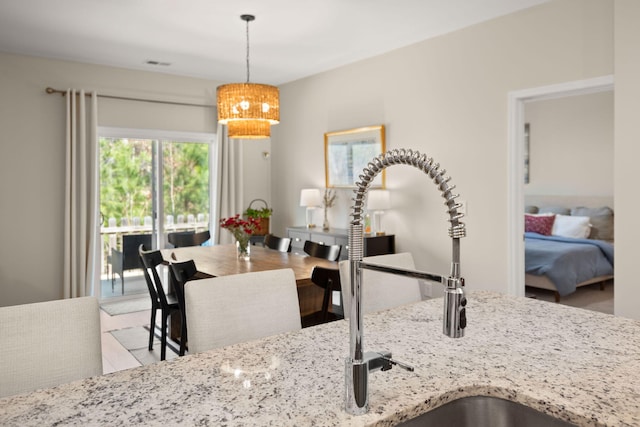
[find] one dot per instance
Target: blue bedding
(566, 261)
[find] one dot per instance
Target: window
(151, 183)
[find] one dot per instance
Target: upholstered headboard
(569, 201)
(598, 209)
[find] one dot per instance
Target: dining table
(223, 260)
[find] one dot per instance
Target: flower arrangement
(242, 229)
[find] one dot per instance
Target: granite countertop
(581, 366)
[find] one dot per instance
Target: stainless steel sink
(484, 411)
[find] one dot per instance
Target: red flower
(237, 225)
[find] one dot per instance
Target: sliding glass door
(149, 187)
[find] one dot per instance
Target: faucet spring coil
(422, 162)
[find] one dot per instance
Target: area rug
(127, 306)
(136, 340)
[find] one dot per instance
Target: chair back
(320, 250)
(326, 278)
(281, 244)
(130, 245)
(329, 280)
(188, 238)
(150, 261)
(181, 273)
(226, 310)
(49, 343)
(381, 291)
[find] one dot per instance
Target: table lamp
(310, 198)
(378, 201)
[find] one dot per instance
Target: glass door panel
(185, 187)
(126, 207)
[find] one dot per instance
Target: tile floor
(114, 356)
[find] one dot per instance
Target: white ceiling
(289, 40)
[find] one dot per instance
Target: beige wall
(32, 154)
(627, 153)
(571, 146)
(446, 97)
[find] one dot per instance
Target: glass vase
(244, 248)
(325, 223)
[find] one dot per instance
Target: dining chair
(188, 238)
(49, 343)
(281, 244)
(225, 310)
(329, 280)
(181, 273)
(381, 291)
(320, 250)
(160, 300)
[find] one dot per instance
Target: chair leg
(325, 303)
(152, 327)
(163, 340)
(183, 336)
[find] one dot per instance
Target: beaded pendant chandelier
(248, 109)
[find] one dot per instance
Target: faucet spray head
(455, 316)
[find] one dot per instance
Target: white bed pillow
(577, 227)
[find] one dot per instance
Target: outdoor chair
(128, 258)
(188, 238)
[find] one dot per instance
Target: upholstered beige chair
(49, 343)
(381, 291)
(230, 309)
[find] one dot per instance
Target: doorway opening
(516, 167)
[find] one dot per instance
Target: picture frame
(347, 153)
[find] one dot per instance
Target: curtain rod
(51, 90)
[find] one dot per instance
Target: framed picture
(347, 153)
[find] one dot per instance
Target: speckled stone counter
(581, 366)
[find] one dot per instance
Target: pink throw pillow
(542, 224)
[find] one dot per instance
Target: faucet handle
(396, 363)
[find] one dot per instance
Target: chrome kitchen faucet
(358, 363)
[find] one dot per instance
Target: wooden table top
(222, 260)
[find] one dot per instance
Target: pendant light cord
(247, 19)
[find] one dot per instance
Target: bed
(566, 248)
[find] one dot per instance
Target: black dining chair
(181, 273)
(329, 280)
(320, 250)
(166, 303)
(188, 238)
(281, 244)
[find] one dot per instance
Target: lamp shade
(378, 200)
(248, 109)
(310, 197)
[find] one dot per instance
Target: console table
(373, 245)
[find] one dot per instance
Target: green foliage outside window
(125, 178)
